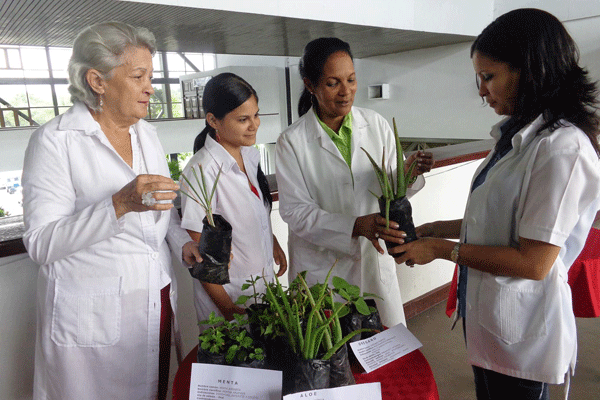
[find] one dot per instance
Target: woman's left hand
(191, 255)
(419, 252)
(279, 257)
(424, 162)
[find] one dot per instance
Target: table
(407, 378)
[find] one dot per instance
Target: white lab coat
(547, 188)
(320, 199)
(249, 216)
(98, 290)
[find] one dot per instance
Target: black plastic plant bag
(371, 321)
(215, 249)
(340, 373)
(206, 357)
(280, 357)
(311, 374)
(352, 322)
(401, 213)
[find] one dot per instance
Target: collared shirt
(547, 188)
(343, 138)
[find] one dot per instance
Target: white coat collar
(316, 132)
(250, 155)
(523, 137)
(79, 118)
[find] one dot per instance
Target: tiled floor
(445, 351)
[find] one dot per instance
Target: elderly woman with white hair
(100, 222)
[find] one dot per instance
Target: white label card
(384, 347)
(364, 391)
(216, 382)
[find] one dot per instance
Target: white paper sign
(385, 347)
(364, 391)
(223, 382)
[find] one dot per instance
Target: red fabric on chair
(584, 278)
(451, 303)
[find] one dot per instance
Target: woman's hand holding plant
(279, 257)
(130, 197)
(424, 163)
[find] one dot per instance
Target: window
(33, 83)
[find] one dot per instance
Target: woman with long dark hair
(325, 180)
(226, 144)
(531, 206)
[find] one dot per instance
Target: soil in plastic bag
(352, 322)
(371, 321)
(401, 213)
(340, 373)
(215, 249)
(280, 357)
(311, 374)
(206, 357)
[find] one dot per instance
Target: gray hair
(100, 47)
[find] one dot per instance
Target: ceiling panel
(56, 23)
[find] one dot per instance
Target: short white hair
(100, 47)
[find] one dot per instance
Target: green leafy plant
(311, 330)
(351, 293)
(229, 338)
(201, 194)
(393, 188)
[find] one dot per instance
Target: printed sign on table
(385, 347)
(223, 382)
(364, 391)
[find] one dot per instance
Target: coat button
(154, 255)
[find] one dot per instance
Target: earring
(101, 102)
(217, 137)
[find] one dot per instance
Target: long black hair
(551, 81)
(316, 54)
(222, 94)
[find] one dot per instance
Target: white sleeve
(551, 211)
(53, 229)
(302, 214)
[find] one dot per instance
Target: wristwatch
(455, 252)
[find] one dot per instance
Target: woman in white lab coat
(324, 180)
(532, 203)
(242, 195)
(93, 223)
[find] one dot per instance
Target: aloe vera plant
(393, 188)
(201, 194)
(309, 329)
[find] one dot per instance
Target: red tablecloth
(407, 378)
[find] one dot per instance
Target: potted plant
(314, 334)
(362, 312)
(215, 240)
(393, 203)
(229, 343)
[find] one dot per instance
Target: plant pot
(311, 374)
(280, 357)
(371, 321)
(401, 213)
(206, 357)
(340, 373)
(215, 249)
